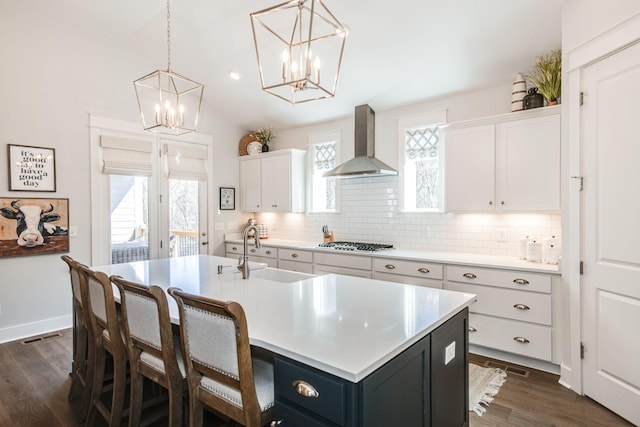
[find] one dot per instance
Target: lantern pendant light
(169, 103)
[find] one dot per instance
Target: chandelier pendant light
(299, 46)
(169, 103)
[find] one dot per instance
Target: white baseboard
(540, 365)
(565, 373)
(40, 327)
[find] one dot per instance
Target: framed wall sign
(33, 226)
(31, 168)
(227, 198)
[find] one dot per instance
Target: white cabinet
(273, 182)
(514, 310)
(263, 254)
(510, 165)
(348, 265)
(295, 260)
(408, 272)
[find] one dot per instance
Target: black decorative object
(265, 148)
(533, 99)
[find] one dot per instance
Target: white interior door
(611, 231)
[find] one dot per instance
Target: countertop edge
(457, 258)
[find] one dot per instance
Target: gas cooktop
(355, 246)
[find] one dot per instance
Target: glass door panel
(129, 218)
(186, 226)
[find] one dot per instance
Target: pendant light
(299, 46)
(169, 103)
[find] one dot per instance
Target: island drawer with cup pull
(521, 338)
(315, 391)
(263, 251)
(295, 255)
(408, 268)
(521, 280)
(526, 306)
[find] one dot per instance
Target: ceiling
(397, 53)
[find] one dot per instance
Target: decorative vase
(554, 102)
(518, 93)
(265, 148)
(533, 99)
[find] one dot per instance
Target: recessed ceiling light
(234, 75)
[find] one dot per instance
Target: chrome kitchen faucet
(243, 261)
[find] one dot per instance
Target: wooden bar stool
(81, 383)
(154, 352)
(107, 338)
(221, 372)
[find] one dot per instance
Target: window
(421, 150)
(323, 156)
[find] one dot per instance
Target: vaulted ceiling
(398, 52)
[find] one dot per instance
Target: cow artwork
(41, 226)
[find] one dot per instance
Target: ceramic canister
(518, 93)
(523, 247)
(547, 244)
(534, 251)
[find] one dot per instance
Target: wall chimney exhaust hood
(364, 163)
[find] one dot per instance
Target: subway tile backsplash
(370, 212)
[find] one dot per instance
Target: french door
(610, 229)
(149, 196)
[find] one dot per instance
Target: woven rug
(484, 384)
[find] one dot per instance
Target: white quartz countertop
(459, 258)
(346, 326)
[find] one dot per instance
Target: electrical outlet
(219, 225)
(73, 231)
(232, 226)
(449, 353)
(502, 234)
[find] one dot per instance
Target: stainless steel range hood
(364, 163)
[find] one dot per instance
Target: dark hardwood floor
(34, 383)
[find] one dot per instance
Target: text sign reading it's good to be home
(31, 168)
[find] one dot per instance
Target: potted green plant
(264, 135)
(547, 76)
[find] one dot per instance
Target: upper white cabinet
(273, 182)
(512, 164)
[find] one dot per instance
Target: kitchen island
(377, 353)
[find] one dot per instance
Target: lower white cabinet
(408, 272)
(267, 255)
(349, 265)
(514, 310)
(295, 260)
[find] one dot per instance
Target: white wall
(370, 206)
(51, 80)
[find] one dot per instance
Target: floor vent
(42, 338)
(507, 368)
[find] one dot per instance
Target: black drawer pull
(234, 248)
(472, 329)
(252, 250)
(268, 252)
(469, 275)
(390, 267)
(521, 307)
(521, 281)
(305, 389)
(294, 255)
(522, 340)
(423, 270)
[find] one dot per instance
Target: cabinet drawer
(271, 262)
(502, 334)
(287, 416)
(524, 281)
(517, 305)
(262, 251)
(409, 280)
(328, 269)
(330, 393)
(408, 268)
(295, 255)
(342, 260)
(302, 267)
